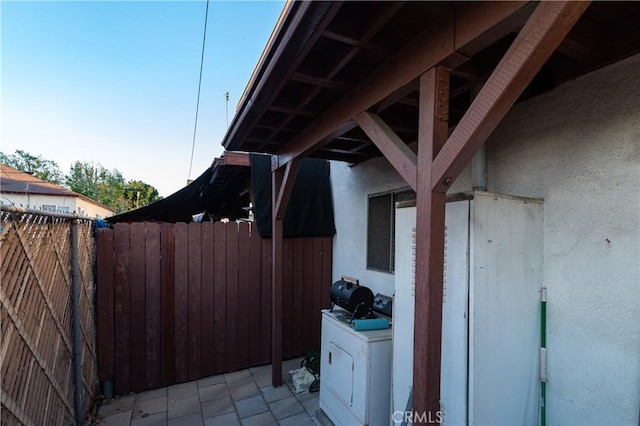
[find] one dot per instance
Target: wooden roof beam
(392, 147)
(353, 41)
(541, 35)
(319, 81)
(235, 158)
(435, 46)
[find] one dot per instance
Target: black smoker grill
(351, 296)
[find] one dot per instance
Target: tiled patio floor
(244, 397)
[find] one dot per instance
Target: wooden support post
(430, 211)
(282, 180)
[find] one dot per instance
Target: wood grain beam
(541, 35)
(353, 41)
(435, 46)
(319, 81)
(430, 223)
(392, 147)
(277, 275)
(234, 158)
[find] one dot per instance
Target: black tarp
(310, 209)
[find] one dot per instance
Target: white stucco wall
(578, 147)
(36, 201)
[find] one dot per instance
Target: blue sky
(116, 82)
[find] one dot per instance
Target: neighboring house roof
(14, 181)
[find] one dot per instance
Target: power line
(195, 126)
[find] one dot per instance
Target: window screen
(380, 229)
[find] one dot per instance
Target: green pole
(543, 357)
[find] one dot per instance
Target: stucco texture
(578, 147)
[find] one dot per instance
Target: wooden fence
(180, 302)
(36, 338)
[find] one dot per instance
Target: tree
(138, 194)
(100, 184)
(36, 165)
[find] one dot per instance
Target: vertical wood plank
(138, 306)
(287, 298)
(253, 297)
(307, 301)
(195, 299)
(299, 318)
(244, 275)
(153, 302)
(105, 267)
(167, 280)
(122, 310)
(208, 257)
(265, 306)
(430, 217)
(317, 293)
(232, 296)
(327, 272)
(220, 297)
(181, 319)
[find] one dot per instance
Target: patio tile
(157, 419)
(251, 406)
(211, 380)
(285, 408)
(303, 396)
(194, 419)
(151, 394)
(230, 419)
(291, 364)
(213, 392)
(301, 419)
(117, 405)
(238, 378)
(183, 391)
(217, 407)
(311, 405)
(271, 394)
(150, 406)
(244, 391)
(117, 419)
(263, 380)
(258, 371)
(264, 419)
(183, 407)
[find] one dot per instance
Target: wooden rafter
(433, 47)
(541, 35)
(392, 147)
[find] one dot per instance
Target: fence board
(195, 297)
(181, 336)
(105, 267)
(137, 288)
(153, 304)
(207, 302)
(122, 310)
(265, 295)
(167, 300)
(307, 302)
(220, 297)
(298, 315)
(232, 297)
(245, 289)
(317, 293)
(287, 297)
(253, 298)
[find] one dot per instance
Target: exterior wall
(36, 201)
(578, 147)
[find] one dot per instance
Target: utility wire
(195, 126)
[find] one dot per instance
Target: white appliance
(355, 371)
(490, 313)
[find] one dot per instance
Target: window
(48, 208)
(380, 228)
(63, 209)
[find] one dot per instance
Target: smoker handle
(329, 357)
